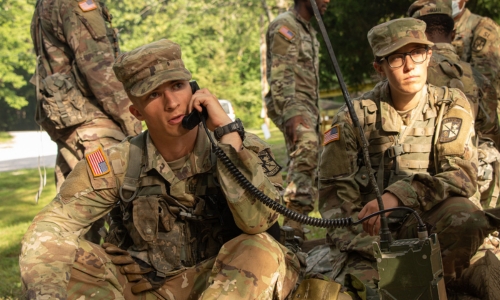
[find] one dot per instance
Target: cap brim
(399, 44)
(147, 85)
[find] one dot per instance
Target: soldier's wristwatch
(237, 126)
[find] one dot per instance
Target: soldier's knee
(460, 215)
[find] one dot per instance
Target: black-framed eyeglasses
(397, 60)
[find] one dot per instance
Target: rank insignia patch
(287, 33)
(478, 44)
(98, 162)
(87, 5)
(331, 135)
(450, 130)
(269, 165)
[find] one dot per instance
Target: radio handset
(193, 119)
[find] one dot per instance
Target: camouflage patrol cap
(388, 37)
(430, 7)
(145, 68)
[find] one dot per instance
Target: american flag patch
(287, 33)
(87, 5)
(331, 135)
(97, 162)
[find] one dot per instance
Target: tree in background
(220, 40)
(16, 60)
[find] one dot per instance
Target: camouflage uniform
(402, 151)
(78, 42)
(477, 41)
(292, 71)
(446, 69)
(475, 86)
(177, 248)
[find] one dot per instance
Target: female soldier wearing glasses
(422, 150)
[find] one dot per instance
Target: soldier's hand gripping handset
(205, 107)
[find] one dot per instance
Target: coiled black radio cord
(283, 210)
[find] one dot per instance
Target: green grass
(5, 137)
(17, 209)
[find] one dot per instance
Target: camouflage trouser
(247, 267)
(303, 164)
(73, 147)
(460, 225)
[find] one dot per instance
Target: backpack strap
(442, 101)
(129, 188)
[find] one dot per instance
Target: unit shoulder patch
(87, 5)
(98, 162)
(331, 135)
(478, 44)
(450, 130)
(269, 164)
(286, 33)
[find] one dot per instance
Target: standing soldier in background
(292, 101)
(81, 104)
(477, 41)
(446, 69)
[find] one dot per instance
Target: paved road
(25, 149)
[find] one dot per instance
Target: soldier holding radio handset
(185, 229)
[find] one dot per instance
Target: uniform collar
(304, 22)
(391, 121)
(198, 162)
(390, 118)
(447, 50)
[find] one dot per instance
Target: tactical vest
(174, 236)
(397, 155)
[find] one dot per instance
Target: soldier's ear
(378, 67)
(134, 111)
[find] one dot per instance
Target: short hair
(439, 24)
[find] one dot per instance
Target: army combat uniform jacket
(49, 248)
(292, 68)
(405, 149)
(292, 71)
(76, 40)
(477, 41)
(446, 69)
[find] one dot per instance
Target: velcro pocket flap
(146, 215)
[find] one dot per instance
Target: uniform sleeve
(256, 162)
(485, 52)
(339, 191)
(50, 244)
(284, 43)
(457, 154)
(85, 33)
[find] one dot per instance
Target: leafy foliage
(14, 50)
(220, 41)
